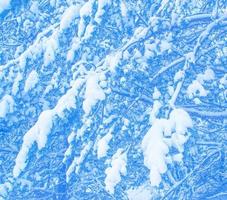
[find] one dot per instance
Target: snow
(123, 9)
(175, 94)
(83, 155)
(17, 80)
(31, 81)
(178, 157)
(75, 165)
(85, 11)
(207, 76)
(153, 114)
(190, 57)
(179, 75)
(181, 120)
(154, 147)
(44, 125)
(118, 168)
(93, 92)
(5, 188)
(22, 61)
(178, 141)
(155, 150)
(156, 93)
(50, 45)
(101, 64)
(223, 80)
(37, 133)
(164, 46)
(196, 88)
(68, 16)
(53, 3)
(88, 32)
(40, 131)
(139, 193)
(71, 169)
(71, 137)
(75, 46)
(100, 10)
(170, 90)
(112, 60)
(35, 7)
(103, 145)
(81, 28)
(6, 105)
(4, 4)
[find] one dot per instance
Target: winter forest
(113, 99)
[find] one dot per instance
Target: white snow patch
(71, 169)
(75, 46)
(164, 46)
(53, 3)
(77, 161)
(17, 80)
(208, 75)
(196, 88)
(139, 193)
(31, 81)
(100, 10)
(178, 157)
(35, 7)
(103, 145)
(81, 28)
(93, 92)
(190, 57)
(44, 126)
(89, 30)
(71, 137)
(154, 146)
(4, 4)
(6, 105)
(170, 90)
(156, 106)
(69, 15)
(82, 156)
(112, 60)
(179, 75)
(223, 80)
(69, 149)
(50, 45)
(156, 94)
(85, 11)
(22, 61)
(40, 131)
(123, 9)
(5, 188)
(181, 120)
(118, 168)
